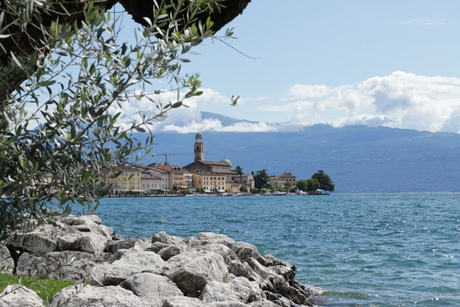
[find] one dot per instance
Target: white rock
(67, 265)
(152, 288)
(167, 239)
(19, 296)
(182, 301)
(226, 253)
(90, 296)
(131, 262)
(192, 270)
(239, 290)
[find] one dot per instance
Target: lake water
(362, 249)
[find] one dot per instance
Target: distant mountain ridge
(358, 158)
(225, 120)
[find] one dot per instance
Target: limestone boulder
(93, 296)
(166, 251)
(19, 296)
(66, 265)
(245, 250)
(238, 290)
(182, 301)
(192, 270)
(76, 233)
(163, 237)
(227, 254)
(153, 288)
(91, 243)
(87, 235)
(307, 291)
(270, 280)
(141, 244)
(129, 262)
(226, 304)
(122, 243)
(242, 249)
(263, 303)
(293, 294)
(167, 246)
(275, 266)
(32, 242)
(243, 269)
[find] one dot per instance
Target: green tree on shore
(309, 185)
(261, 180)
(324, 180)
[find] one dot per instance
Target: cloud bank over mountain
(399, 100)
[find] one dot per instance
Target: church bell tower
(199, 147)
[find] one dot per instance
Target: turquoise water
(363, 249)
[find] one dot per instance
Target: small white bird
(234, 101)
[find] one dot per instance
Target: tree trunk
(24, 41)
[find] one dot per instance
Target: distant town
(198, 177)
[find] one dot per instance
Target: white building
(154, 180)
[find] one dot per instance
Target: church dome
(198, 136)
(227, 161)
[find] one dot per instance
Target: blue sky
(391, 63)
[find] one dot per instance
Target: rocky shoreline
(210, 270)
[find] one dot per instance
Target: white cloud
(452, 123)
(187, 119)
(181, 116)
(399, 100)
(216, 125)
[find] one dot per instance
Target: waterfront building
(155, 180)
(128, 180)
(212, 175)
(279, 182)
(246, 180)
(188, 179)
(177, 176)
(210, 182)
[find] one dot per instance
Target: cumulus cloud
(216, 125)
(452, 123)
(185, 119)
(399, 100)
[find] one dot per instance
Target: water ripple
(365, 249)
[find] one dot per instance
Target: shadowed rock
(192, 270)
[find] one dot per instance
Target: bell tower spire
(199, 147)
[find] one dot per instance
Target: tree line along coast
(207, 177)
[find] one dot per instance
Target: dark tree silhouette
(324, 181)
(25, 39)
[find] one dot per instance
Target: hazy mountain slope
(225, 120)
(358, 158)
